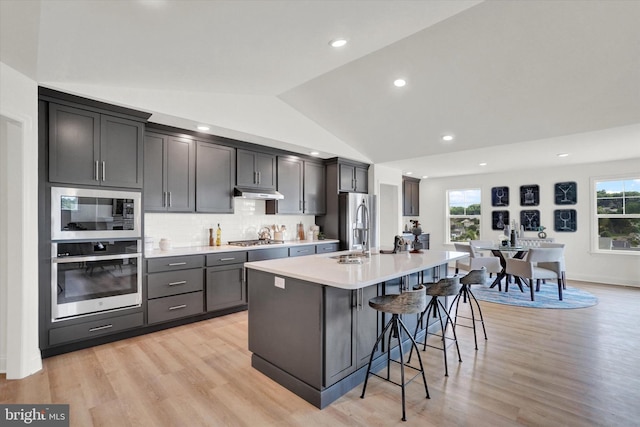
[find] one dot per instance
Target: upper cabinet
(302, 183)
(410, 196)
(255, 169)
(353, 178)
(90, 148)
(169, 173)
(215, 176)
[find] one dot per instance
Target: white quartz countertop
(325, 269)
(203, 250)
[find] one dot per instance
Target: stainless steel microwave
(86, 213)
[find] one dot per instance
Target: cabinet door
(245, 168)
(314, 189)
(266, 170)
(74, 145)
(154, 172)
(410, 198)
(215, 173)
(367, 327)
(290, 175)
(361, 180)
(226, 287)
(340, 328)
(347, 178)
(181, 175)
(121, 146)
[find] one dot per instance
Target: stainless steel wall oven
(96, 251)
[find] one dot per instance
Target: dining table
(502, 252)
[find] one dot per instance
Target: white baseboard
(3, 364)
(607, 280)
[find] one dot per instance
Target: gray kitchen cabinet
(265, 254)
(324, 248)
(254, 169)
(302, 250)
(351, 330)
(170, 173)
(410, 196)
(353, 178)
(95, 328)
(302, 183)
(174, 288)
(215, 175)
(226, 284)
(86, 147)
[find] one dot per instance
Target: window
(617, 212)
(463, 215)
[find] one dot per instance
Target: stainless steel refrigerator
(357, 221)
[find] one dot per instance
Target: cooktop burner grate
(256, 242)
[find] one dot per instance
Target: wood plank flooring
(538, 368)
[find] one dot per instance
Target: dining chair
(538, 264)
(475, 261)
(562, 265)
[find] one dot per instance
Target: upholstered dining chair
(539, 264)
(562, 266)
(476, 262)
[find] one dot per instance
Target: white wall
(582, 264)
(19, 327)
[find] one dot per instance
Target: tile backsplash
(192, 229)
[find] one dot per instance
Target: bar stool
(474, 277)
(446, 287)
(412, 301)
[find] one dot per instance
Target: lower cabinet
(324, 248)
(95, 328)
(226, 284)
(174, 288)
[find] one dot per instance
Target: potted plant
(541, 233)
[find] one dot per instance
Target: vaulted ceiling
(516, 82)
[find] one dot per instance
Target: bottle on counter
(513, 237)
(218, 236)
(211, 242)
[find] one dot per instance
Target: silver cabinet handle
(97, 171)
(173, 264)
(178, 307)
(255, 177)
(164, 199)
(169, 198)
(182, 282)
(100, 328)
(104, 167)
(226, 259)
(259, 177)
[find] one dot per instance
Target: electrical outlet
(279, 282)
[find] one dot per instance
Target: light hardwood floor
(538, 368)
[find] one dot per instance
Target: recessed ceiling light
(483, 164)
(563, 155)
(314, 153)
(447, 137)
(408, 173)
(399, 82)
(203, 127)
(425, 176)
(338, 42)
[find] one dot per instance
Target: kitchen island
(310, 325)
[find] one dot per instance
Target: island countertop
(324, 268)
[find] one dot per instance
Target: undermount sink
(350, 258)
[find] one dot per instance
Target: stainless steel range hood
(257, 193)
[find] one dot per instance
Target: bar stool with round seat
(408, 302)
(474, 277)
(445, 287)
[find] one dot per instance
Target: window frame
(448, 215)
(595, 216)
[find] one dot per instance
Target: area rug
(547, 297)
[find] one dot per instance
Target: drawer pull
(178, 307)
(100, 328)
(182, 282)
(174, 264)
(226, 259)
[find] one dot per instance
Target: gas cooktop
(256, 242)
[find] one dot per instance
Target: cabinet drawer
(175, 307)
(326, 247)
(271, 253)
(214, 260)
(174, 263)
(302, 250)
(174, 283)
(95, 328)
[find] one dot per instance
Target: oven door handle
(71, 259)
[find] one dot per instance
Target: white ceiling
(516, 82)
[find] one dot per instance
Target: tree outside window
(618, 214)
(464, 214)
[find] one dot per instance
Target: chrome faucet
(366, 245)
